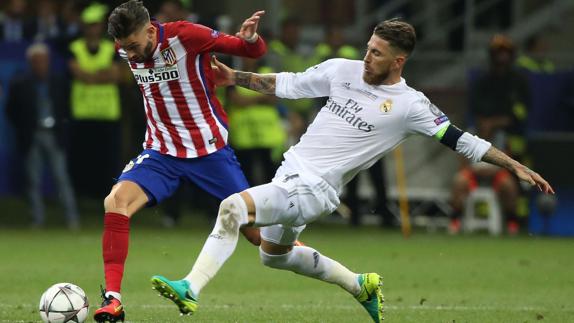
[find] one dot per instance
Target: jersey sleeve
(314, 82)
(205, 39)
(425, 118)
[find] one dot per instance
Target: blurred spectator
(285, 54)
(335, 46)
(175, 10)
(500, 98)
(378, 178)
(37, 106)
(256, 131)
(48, 25)
(498, 102)
(95, 101)
(71, 18)
(534, 58)
(14, 27)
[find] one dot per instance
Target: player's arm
(497, 157)
(262, 83)
(478, 149)
(312, 83)
(425, 118)
(246, 42)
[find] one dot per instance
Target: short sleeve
(425, 118)
(314, 82)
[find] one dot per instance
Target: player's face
(139, 46)
(380, 60)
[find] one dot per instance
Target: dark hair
(127, 18)
(400, 35)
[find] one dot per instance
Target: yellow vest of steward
(255, 126)
(94, 101)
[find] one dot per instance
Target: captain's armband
(449, 136)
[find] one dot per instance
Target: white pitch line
(461, 308)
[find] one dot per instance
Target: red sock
(115, 248)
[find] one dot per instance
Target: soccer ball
(64, 302)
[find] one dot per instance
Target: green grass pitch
(428, 278)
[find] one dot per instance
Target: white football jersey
(359, 123)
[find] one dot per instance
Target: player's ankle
(115, 295)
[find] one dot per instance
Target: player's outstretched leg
(178, 291)
(217, 249)
(371, 295)
(111, 310)
(306, 261)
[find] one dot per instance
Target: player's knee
(274, 261)
(230, 213)
(115, 201)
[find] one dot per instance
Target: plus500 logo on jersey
(156, 75)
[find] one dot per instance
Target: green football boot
(178, 292)
(371, 295)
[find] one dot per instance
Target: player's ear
(150, 30)
(400, 60)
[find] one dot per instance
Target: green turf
(428, 278)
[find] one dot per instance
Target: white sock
(309, 262)
(116, 295)
(220, 244)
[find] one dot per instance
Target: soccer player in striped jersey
(186, 137)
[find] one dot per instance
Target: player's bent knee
(274, 261)
(231, 212)
(109, 203)
(115, 201)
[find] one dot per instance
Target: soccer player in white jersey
(370, 111)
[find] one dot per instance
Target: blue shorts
(219, 174)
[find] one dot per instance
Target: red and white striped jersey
(184, 117)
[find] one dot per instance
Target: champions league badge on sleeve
(440, 119)
(436, 111)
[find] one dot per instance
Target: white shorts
(292, 199)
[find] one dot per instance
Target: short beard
(148, 51)
(375, 79)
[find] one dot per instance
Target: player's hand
(222, 74)
(248, 29)
(526, 174)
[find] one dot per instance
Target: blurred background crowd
(71, 114)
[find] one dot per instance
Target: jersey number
(139, 159)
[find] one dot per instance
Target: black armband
(450, 136)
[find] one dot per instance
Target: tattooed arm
(497, 157)
(263, 83)
(226, 76)
(313, 83)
